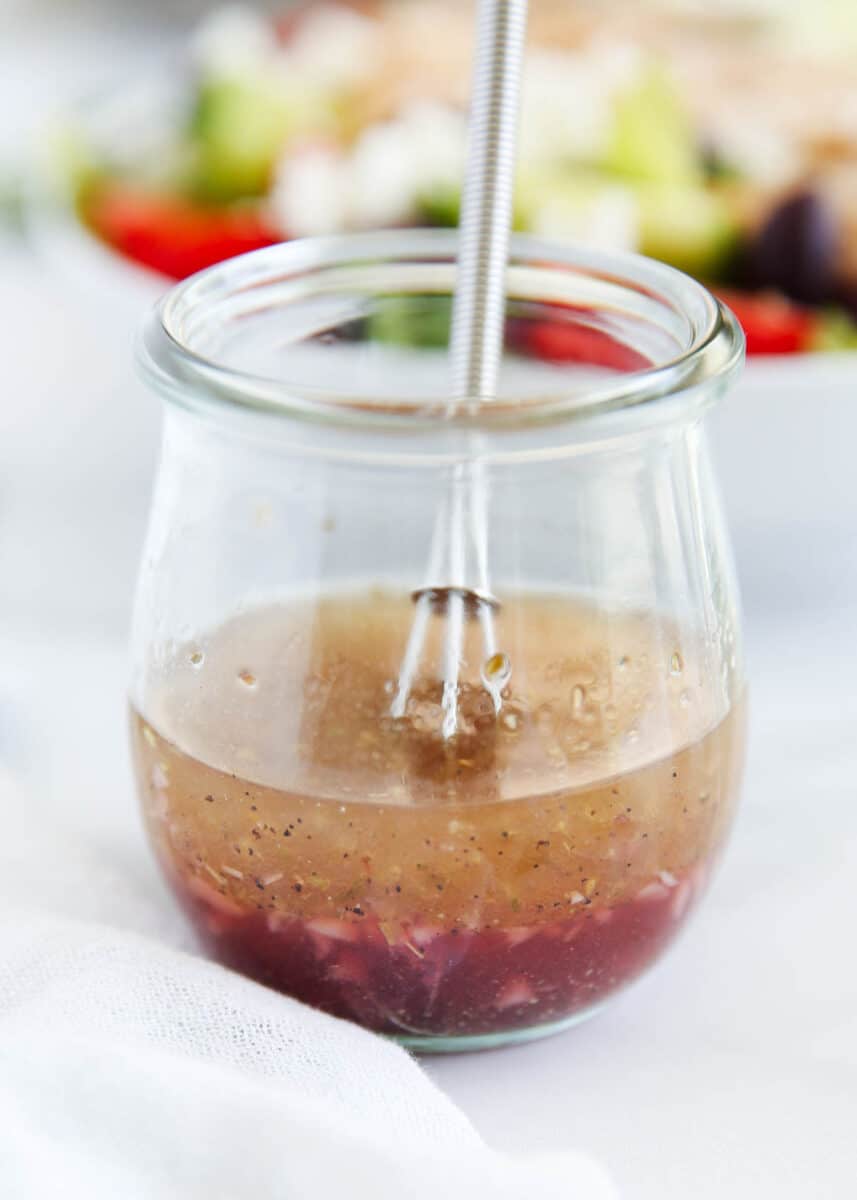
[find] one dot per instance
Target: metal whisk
(459, 551)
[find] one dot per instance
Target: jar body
(478, 831)
(450, 892)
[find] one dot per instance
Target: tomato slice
(171, 234)
(772, 324)
(564, 341)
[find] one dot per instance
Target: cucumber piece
(239, 129)
(411, 320)
(440, 207)
(692, 228)
(652, 136)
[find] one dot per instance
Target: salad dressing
(515, 876)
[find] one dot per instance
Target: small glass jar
(327, 829)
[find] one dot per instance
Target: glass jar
(330, 830)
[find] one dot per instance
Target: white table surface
(730, 1071)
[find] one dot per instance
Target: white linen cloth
(133, 1071)
(136, 1070)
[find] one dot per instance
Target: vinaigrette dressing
(513, 876)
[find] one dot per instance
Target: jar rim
(712, 352)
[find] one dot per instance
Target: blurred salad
(724, 143)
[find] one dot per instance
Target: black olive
(795, 250)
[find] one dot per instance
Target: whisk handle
(486, 210)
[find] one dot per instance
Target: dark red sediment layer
(447, 982)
